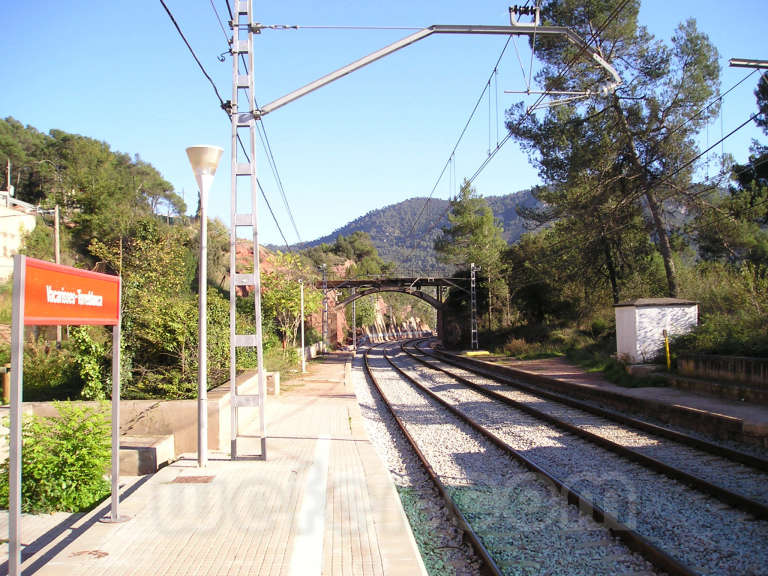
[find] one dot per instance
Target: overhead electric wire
(499, 146)
(276, 173)
(461, 136)
(221, 24)
(223, 107)
(191, 51)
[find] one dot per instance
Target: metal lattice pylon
(475, 345)
(243, 167)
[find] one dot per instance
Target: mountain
(405, 232)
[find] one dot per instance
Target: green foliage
(64, 460)
(49, 373)
(619, 178)
(38, 243)
(733, 302)
(91, 359)
(6, 302)
(281, 299)
(473, 235)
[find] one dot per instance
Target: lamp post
(303, 352)
(204, 160)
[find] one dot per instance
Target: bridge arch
(429, 299)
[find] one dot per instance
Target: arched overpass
(361, 287)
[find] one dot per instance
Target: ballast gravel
(523, 521)
(700, 531)
(717, 470)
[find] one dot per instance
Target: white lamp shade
(204, 161)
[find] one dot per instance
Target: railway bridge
(412, 285)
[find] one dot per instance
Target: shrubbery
(64, 460)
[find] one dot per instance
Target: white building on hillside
(16, 220)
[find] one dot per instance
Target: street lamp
(204, 160)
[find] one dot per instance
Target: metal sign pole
(303, 352)
(17, 364)
(115, 507)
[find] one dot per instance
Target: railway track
(682, 523)
(683, 459)
(517, 513)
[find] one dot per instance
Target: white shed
(640, 325)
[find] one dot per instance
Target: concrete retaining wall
(742, 369)
(179, 417)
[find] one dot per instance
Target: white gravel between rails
(523, 521)
(700, 531)
(440, 541)
(717, 470)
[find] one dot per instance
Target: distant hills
(405, 232)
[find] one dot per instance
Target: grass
(593, 351)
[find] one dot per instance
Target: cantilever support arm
(519, 30)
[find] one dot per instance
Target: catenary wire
(499, 146)
(461, 136)
(221, 24)
(221, 102)
(701, 191)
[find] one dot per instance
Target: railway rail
(518, 512)
(683, 459)
(673, 505)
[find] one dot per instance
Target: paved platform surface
(754, 416)
(322, 503)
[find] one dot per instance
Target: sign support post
(17, 367)
(48, 294)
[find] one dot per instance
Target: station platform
(321, 503)
(721, 418)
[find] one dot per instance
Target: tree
(281, 295)
(732, 226)
(647, 126)
(473, 235)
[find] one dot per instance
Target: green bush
(49, 372)
(64, 460)
(91, 358)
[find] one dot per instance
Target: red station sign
(56, 294)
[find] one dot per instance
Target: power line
(461, 136)
(224, 107)
(276, 173)
(501, 144)
(191, 51)
(221, 24)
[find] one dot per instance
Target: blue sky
(117, 71)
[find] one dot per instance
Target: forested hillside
(409, 245)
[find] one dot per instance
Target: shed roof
(655, 302)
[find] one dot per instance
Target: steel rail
(474, 540)
(513, 377)
(632, 539)
(757, 509)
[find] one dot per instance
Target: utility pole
(354, 322)
(303, 352)
(243, 168)
(325, 309)
(473, 308)
(57, 256)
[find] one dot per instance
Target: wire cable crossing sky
(373, 138)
